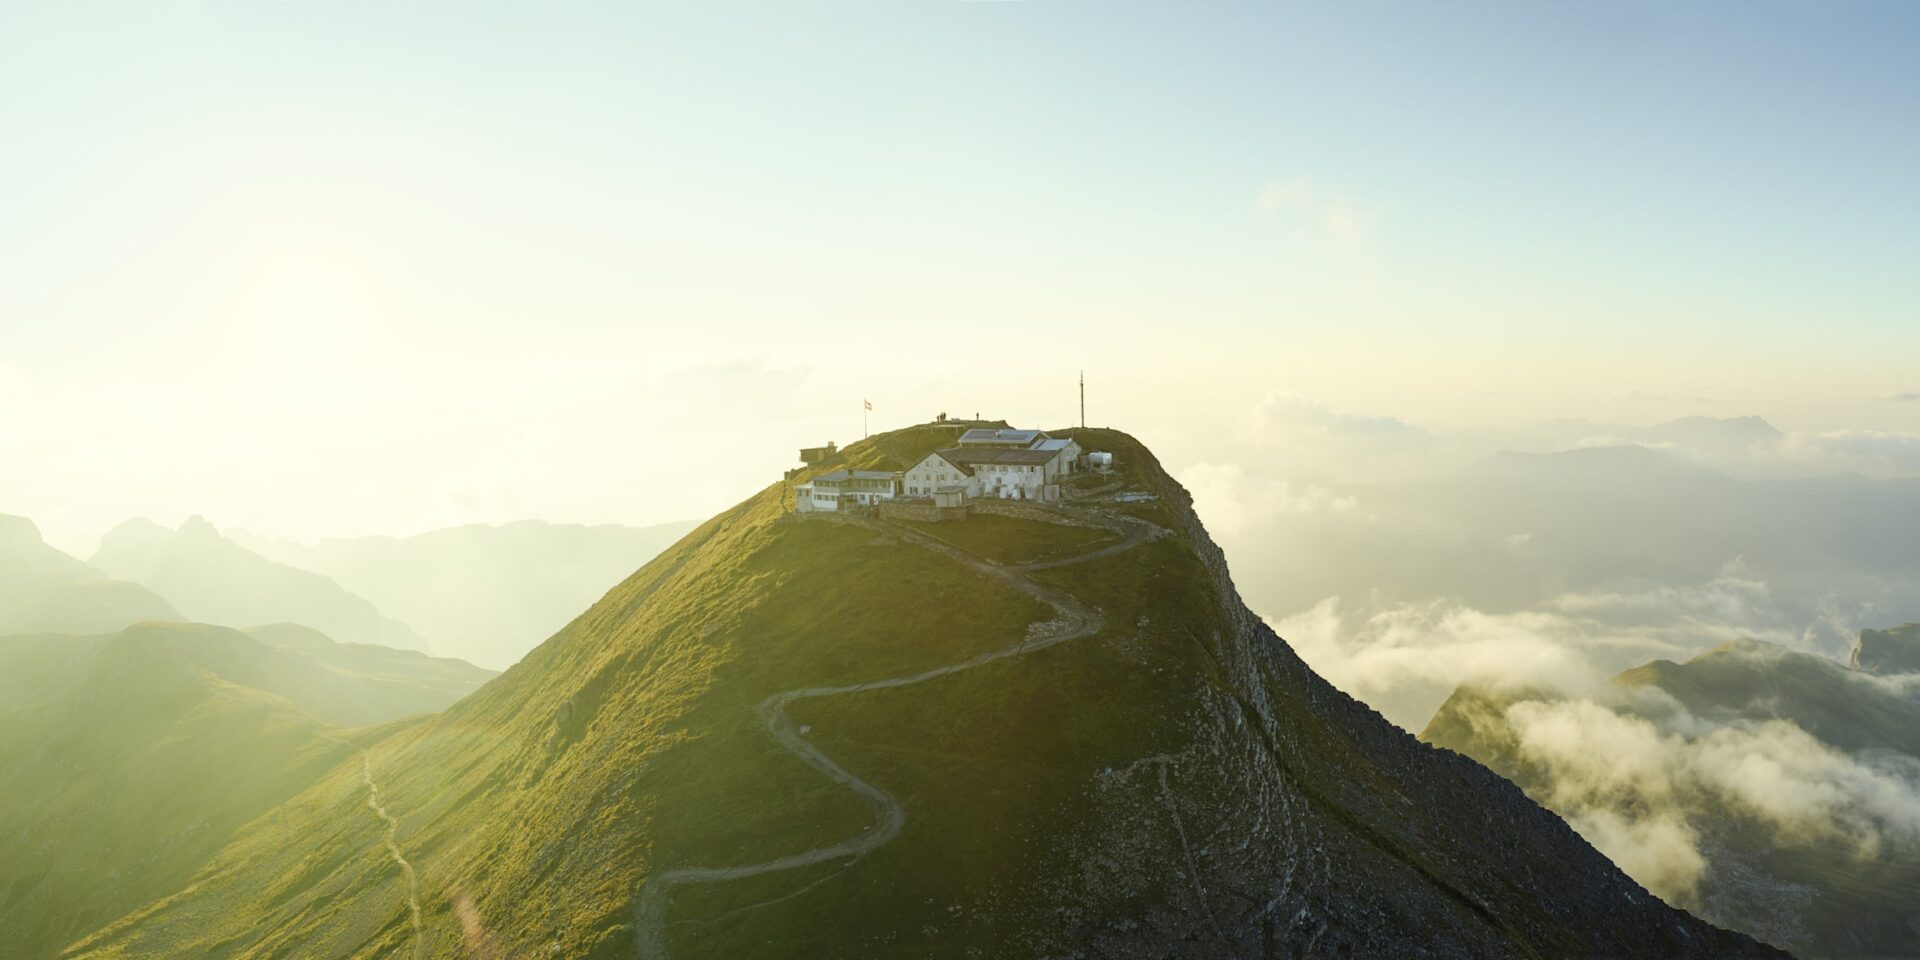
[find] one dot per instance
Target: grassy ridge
(626, 741)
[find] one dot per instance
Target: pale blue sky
(329, 268)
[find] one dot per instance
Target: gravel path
(1072, 620)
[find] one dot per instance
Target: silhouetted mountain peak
(198, 527)
(213, 579)
(1887, 652)
(18, 530)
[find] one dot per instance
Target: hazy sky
(321, 269)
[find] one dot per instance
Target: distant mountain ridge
(1720, 437)
(213, 579)
(484, 593)
(43, 590)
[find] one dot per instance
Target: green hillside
(382, 683)
(815, 736)
(130, 759)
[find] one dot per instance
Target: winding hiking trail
(1072, 621)
(392, 840)
(390, 837)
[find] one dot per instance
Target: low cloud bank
(1236, 501)
(1642, 790)
(1405, 659)
(1404, 564)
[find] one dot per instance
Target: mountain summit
(44, 590)
(1036, 731)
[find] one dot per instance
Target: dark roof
(841, 476)
(976, 456)
(992, 435)
(950, 455)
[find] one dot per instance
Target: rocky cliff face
(1298, 822)
(1888, 652)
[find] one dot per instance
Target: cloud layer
(1643, 789)
(1405, 658)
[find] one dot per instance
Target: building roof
(1000, 435)
(949, 456)
(978, 456)
(841, 476)
(1051, 443)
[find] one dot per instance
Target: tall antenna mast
(1083, 399)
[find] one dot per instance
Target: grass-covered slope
(384, 683)
(128, 760)
(627, 740)
(1171, 781)
(1005, 539)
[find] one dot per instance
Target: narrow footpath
(390, 837)
(1072, 620)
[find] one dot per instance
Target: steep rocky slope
(850, 738)
(1888, 652)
